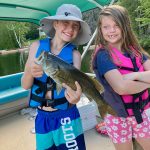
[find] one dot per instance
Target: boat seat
(10, 88)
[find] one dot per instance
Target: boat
(12, 96)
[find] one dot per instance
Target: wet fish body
(63, 72)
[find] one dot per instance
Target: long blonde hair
(120, 15)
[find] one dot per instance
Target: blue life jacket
(42, 84)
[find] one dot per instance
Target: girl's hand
(131, 76)
(71, 95)
(36, 70)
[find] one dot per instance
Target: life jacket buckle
(50, 86)
(50, 102)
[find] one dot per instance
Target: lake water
(14, 63)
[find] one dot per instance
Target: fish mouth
(40, 58)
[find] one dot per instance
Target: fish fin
(58, 88)
(98, 85)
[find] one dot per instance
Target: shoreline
(20, 50)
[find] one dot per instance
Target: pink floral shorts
(121, 130)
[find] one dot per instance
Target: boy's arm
(77, 59)
(31, 69)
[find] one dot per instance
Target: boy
(57, 125)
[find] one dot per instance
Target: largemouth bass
(62, 72)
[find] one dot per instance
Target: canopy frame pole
(100, 6)
(89, 43)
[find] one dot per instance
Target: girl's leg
(141, 132)
(120, 132)
(136, 145)
(144, 142)
(123, 146)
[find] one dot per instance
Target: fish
(63, 72)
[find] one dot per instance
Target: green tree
(19, 30)
(139, 11)
(7, 40)
(144, 22)
(33, 32)
(131, 6)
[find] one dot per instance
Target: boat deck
(15, 135)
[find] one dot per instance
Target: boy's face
(111, 31)
(67, 30)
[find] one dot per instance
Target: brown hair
(129, 41)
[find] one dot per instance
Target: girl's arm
(124, 87)
(140, 76)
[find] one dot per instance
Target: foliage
(19, 29)
(144, 9)
(145, 42)
(17, 34)
(139, 11)
(131, 6)
(7, 39)
(144, 23)
(33, 32)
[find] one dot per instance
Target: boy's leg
(69, 135)
(44, 137)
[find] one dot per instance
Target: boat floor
(15, 135)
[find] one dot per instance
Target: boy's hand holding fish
(36, 69)
(71, 95)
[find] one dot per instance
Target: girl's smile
(111, 31)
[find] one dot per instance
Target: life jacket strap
(49, 102)
(138, 105)
(137, 112)
(125, 68)
(42, 86)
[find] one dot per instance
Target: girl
(58, 124)
(117, 55)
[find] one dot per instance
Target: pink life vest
(125, 66)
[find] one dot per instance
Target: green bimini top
(34, 10)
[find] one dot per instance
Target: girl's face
(67, 30)
(111, 31)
